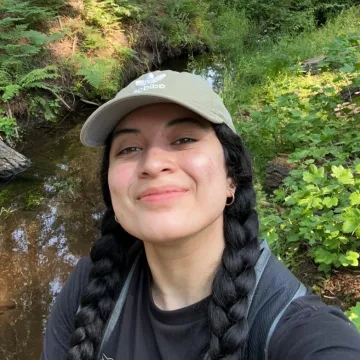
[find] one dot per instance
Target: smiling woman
(179, 271)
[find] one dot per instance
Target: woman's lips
(157, 195)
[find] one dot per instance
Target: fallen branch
(90, 102)
(58, 96)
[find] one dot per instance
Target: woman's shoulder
(311, 329)
(79, 276)
(69, 297)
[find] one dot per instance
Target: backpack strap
(276, 287)
(115, 315)
(300, 292)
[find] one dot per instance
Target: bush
(320, 200)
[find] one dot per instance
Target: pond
(50, 217)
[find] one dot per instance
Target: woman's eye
(129, 150)
(184, 141)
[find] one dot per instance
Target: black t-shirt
(308, 330)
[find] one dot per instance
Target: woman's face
(167, 174)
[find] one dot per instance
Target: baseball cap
(186, 89)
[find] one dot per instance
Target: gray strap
(259, 269)
(118, 307)
(300, 292)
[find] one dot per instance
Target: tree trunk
(276, 171)
(11, 162)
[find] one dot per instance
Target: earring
(116, 219)
(232, 198)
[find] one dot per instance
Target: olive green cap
(186, 89)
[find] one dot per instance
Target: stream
(49, 218)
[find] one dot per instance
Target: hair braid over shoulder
(235, 278)
(108, 255)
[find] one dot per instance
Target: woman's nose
(157, 161)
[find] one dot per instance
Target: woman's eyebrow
(171, 123)
(187, 120)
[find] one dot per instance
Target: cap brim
(104, 119)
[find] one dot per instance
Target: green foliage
(175, 25)
(18, 40)
(33, 199)
(35, 79)
(103, 76)
(279, 17)
(8, 126)
(321, 197)
(256, 74)
(21, 45)
(231, 29)
(321, 212)
(354, 315)
(107, 14)
(49, 108)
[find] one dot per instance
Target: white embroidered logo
(150, 79)
(104, 357)
(149, 83)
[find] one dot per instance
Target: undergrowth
(87, 49)
(317, 210)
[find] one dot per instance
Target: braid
(235, 277)
(106, 277)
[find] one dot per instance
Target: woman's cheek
(205, 167)
(121, 178)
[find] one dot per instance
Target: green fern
(19, 40)
(101, 74)
(9, 92)
(5, 77)
(30, 14)
(35, 78)
(108, 13)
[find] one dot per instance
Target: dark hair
(233, 281)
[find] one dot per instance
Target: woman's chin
(163, 236)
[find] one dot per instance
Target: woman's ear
(231, 187)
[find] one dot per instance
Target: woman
(179, 271)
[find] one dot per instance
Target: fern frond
(94, 77)
(38, 75)
(5, 77)
(10, 21)
(9, 92)
(37, 38)
(13, 34)
(20, 50)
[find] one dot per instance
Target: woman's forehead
(157, 114)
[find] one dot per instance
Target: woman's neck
(183, 272)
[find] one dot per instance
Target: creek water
(50, 217)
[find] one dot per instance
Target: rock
(311, 65)
(276, 171)
(11, 162)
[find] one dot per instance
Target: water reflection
(56, 220)
(205, 65)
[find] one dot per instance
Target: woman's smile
(161, 194)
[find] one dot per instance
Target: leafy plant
(320, 199)
(8, 126)
(354, 315)
(103, 75)
(108, 14)
(322, 212)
